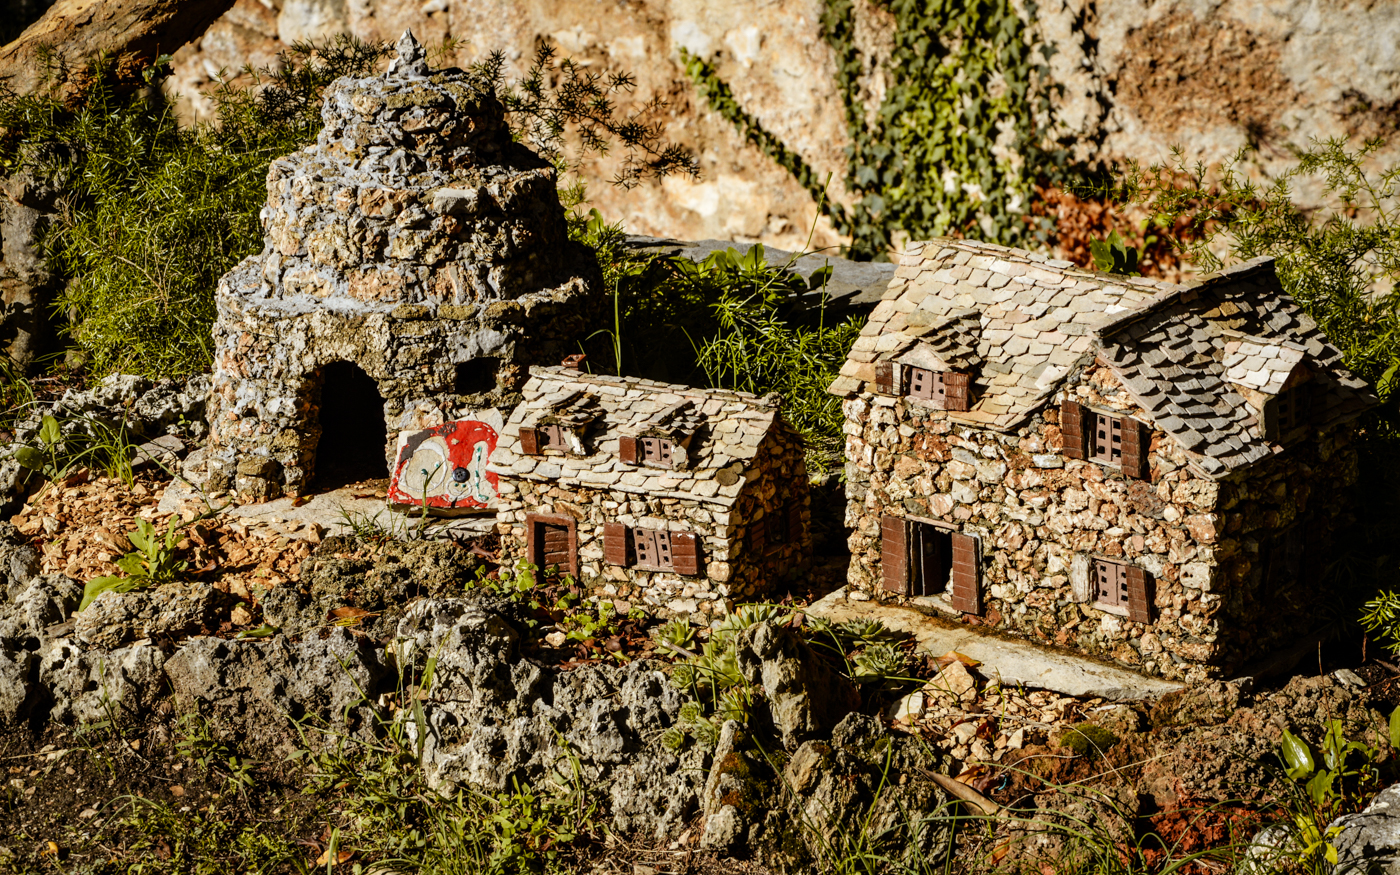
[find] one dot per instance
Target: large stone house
(1144, 472)
(678, 498)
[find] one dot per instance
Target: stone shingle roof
(1032, 321)
(1180, 356)
(728, 429)
(1176, 349)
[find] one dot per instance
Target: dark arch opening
(353, 435)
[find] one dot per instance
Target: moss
(1087, 740)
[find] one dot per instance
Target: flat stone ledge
(1010, 661)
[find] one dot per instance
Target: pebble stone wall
(1040, 518)
(415, 240)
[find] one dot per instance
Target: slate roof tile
(1178, 350)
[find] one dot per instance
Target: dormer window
(945, 390)
(657, 452)
(534, 441)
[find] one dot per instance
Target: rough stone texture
(86, 686)
(802, 695)
(169, 611)
(1369, 843)
(255, 687)
(17, 669)
(45, 601)
(27, 286)
(413, 239)
(141, 407)
(384, 583)
(19, 562)
(492, 716)
(1230, 522)
(1138, 76)
(738, 476)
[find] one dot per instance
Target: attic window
(654, 452)
(1106, 439)
(947, 390)
(534, 441)
(651, 549)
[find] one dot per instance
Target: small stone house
(416, 260)
(1140, 471)
(673, 497)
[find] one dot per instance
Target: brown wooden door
(552, 540)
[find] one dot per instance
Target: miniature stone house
(1143, 472)
(409, 255)
(663, 495)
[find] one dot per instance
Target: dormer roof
(1184, 353)
(724, 429)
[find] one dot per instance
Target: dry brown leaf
(340, 857)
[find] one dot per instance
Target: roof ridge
(1172, 295)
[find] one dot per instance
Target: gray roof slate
(1180, 351)
(728, 428)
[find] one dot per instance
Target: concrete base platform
(333, 511)
(1013, 662)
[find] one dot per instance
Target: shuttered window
(1124, 586)
(944, 390)
(1120, 441)
(651, 549)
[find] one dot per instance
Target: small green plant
(1114, 256)
(1345, 769)
(90, 442)
(197, 742)
(155, 560)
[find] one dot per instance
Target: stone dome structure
(416, 260)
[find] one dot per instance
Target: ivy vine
(958, 144)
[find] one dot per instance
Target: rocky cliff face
(1138, 76)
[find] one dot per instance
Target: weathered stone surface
(85, 686)
(169, 611)
(257, 686)
(384, 584)
(44, 602)
(804, 697)
(492, 716)
(17, 670)
(19, 562)
(1369, 842)
(1137, 79)
(367, 235)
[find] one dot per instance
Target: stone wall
(1137, 77)
(730, 571)
(1040, 517)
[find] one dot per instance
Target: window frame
(1106, 438)
(1118, 585)
(664, 449)
(644, 541)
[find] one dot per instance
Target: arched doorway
(353, 435)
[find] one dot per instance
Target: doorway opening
(931, 555)
(353, 435)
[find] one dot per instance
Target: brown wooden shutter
(967, 590)
(894, 554)
(1072, 428)
(685, 553)
(758, 536)
(1140, 595)
(884, 378)
(959, 392)
(794, 522)
(1137, 440)
(627, 450)
(530, 441)
(615, 543)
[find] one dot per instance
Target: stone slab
(329, 510)
(1014, 662)
(854, 285)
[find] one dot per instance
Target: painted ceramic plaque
(445, 468)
